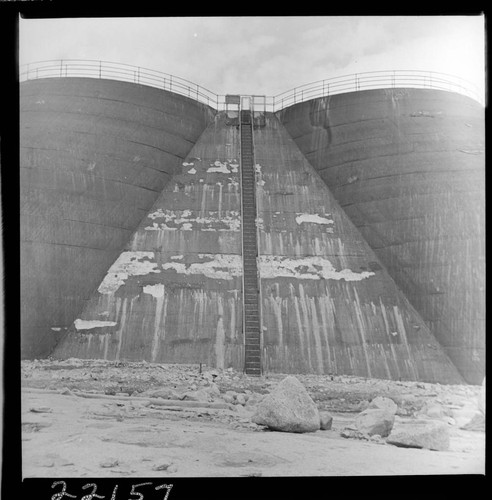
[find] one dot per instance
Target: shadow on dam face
(132, 231)
(94, 156)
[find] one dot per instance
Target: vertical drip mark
(360, 322)
(317, 336)
(307, 328)
(403, 334)
(220, 337)
(122, 326)
(325, 325)
(106, 346)
(386, 325)
(158, 319)
(232, 308)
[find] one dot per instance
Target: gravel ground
(99, 418)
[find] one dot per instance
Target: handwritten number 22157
(63, 493)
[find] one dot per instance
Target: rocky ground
(100, 418)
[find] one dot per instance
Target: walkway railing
(117, 71)
(321, 88)
(377, 80)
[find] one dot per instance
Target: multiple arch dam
(342, 234)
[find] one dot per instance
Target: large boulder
(382, 403)
(375, 421)
(288, 408)
(429, 434)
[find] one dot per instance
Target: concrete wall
(175, 293)
(328, 304)
(407, 166)
(94, 157)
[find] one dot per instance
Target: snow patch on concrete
(230, 221)
(217, 266)
(130, 263)
(154, 290)
(219, 167)
(81, 324)
(314, 218)
(312, 268)
(160, 227)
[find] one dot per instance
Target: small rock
(254, 399)
(376, 438)
(450, 420)
(427, 434)
(228, 398)
(477, 423)
(288, 408)
(349, 433)
(383, 403)
(213, 390)
(199, 395)
(362, 405)
(65, 463)
(41, 409)
(242, 411)
(375, 421)
(107, 464)
(325, 421)
(164, 393)
(432, 410)
(164, 466)
(240, 398)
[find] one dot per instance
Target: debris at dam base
(97, 418)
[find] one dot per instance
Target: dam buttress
(166, 231)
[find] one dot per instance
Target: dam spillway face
(311, 240)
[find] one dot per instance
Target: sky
(265, 55)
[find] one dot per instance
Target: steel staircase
(252, 331)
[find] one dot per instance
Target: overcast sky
(264, 55)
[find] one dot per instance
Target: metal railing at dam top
(322, 88)
(68, 68)
(396, 79)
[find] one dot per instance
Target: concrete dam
(342, 234)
